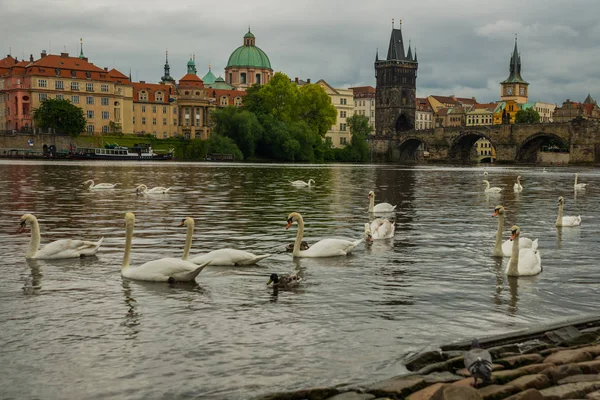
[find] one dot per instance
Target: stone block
(571, 390)
(584, 338)
(318, 393)
(352, 396)
(559, 372)
(530, 394)
(400, 386)
(508, 348)
(562, 334)
(450, 392)
(593, 396)
(501, 377)
(444, 377)
(420, 360)
(435, 367)
(494, 392)
(536, 368)
(426, 394)
(536, 381)
(569, 356)
(590, 367)
(520, 360)
(579, 378)
(465, 372)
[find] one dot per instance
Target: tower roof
(209, 78)
(515, 68)
(396, 47)
(589, 100)
(249, 55)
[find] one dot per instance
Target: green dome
(209, 78)
(249, 35)
(191, 62)
(249, 56)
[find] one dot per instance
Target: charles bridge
(519, 143)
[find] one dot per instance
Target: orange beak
(512, 236)
(180, 224)
(495, 213)
(289, 224)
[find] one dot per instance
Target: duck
(578, 186)
(63, 248)
(379, 208)
(143, 189)
(303, 246)
(302, 183)
(168, 269)
(517, 186)
(565, 221)
(505, 249)
(523, 262)
(285, 281)
(489, 189)
(324, 247)
(381, 228)
(221, 257)
(100, 185)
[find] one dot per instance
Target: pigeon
(478, 362)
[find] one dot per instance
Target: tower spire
(409, 53)
(167, 76)
(81, 56)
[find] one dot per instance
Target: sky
(464, 47)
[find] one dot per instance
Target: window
(105, 115)
(153, 121)
(90, 114)
(154, 109)
(75, 99)
(43, 96)
(165, 135)
(342, 140)
(164, 110)
(159, 96)
(59, 85)
(89, 87)
(343, 127)
(143, 120)
(224, 101)
(257, 79)
(134, 120)
(104, 101)
(237, 101)
(174, 110)
(243, 78)
(175, 121)
(164, 121)
(105, 129)
(343, 101)
(42, 83)
(143, 96)
(143, 109)
(343, 114)
(90, 128)
(74, 85)
(60, 97)
(89, 100)
(104, 88)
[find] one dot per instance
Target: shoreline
(559, 360)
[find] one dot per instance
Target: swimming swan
(523, 262)
(505, 249)
(100, 185)
(323, 248)
(143, 189)
(517, 186)
(566, 221)
(64, 248)
(489, 189)
(379, 208)
(223, 257)
(380, 228)
(579, 185)
(302, 183)
(162, 270)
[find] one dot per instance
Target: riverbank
(552, 362)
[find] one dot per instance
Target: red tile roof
(152, 89)
(118, 76)
(422, 104)
(191, 80)
(489, 106)
(230, 94)
(445, 99)
(364, 91)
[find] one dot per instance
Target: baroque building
(396, 87)
(248, 65)
(364, 103)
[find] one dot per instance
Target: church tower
(514, 87)
(396, 87)
(167, 76)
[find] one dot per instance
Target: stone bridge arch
(410, 149)
(462, 145)
(529, 148)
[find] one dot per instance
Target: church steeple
(167, 76)
(409, 53)
(396, 47)
(191, 65)
(81, 56)
(514, 87)
(515, 67)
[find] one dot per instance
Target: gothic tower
(515, 87)
(396, 89)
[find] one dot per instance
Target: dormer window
(73, 74)
(88, 74)
(143, 95)
(57, 72)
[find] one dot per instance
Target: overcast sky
(464, 46)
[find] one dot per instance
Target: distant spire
(377, 55)
(130, 75)
(392, 23)
(409, 53)
(209, 66)
(167, 76)
(81, 56)
(415, 53)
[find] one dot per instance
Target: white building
(343, 101)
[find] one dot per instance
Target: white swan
(162, 270)
(223, 257)
(64, 248)
(380, 228)
(143, 189)
(323, 248)
(302, 183)
(523, 262)
(485, 171)
(544, 170)
(566, 221)
(379, 208)
(517, 186)
(505, 249)
(489, 189)
(100, 185)
(579, 185)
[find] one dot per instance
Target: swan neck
(575, 181)
(487, 185)
(299, 235)
(560, 215)
(371, 203)
(513, 266)
(128, 240)
(188, 240)
(498, 245)
(92, 184)
(34, 242)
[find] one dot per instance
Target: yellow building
(505, 112)
(481, 115)
(484, 151)
(343, 101)
(106, 97)
(514, 87)
(153, 112)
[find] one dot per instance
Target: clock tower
(515, 87)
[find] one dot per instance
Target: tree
(240, 125)
(60, 115)
(529, 116)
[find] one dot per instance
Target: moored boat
(139, 152)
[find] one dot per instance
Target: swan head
(515, 231)
(486, 182)
(187, 221)
(519, 177)
(129, 219)
(293, 217)
(141, 188)
(88, 181)
(26, 219)
(273, 279)
(371, 194)
(561, 200)
(499, 210)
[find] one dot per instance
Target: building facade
(364, 103)
(514, 87)
(248, 65)
(153, 111)
(546, 111)
(571, 110)
(343, 101)
(479, 117)
(396, 77)
(423, 114)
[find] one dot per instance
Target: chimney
(64, 55)
(308, 80)
(31, 58)
(142, 81)
(106, 69)
(43, 53)
(296, 80)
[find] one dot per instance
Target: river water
(77, 329)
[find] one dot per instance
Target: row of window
(154, 121)
(477, 120)
(90, 100)
(424, 125)
(91, 128)
(363, 112)
(90, 114)
(425, 117)
(362, 103)
(60, 85)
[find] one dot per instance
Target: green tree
(358, 150)
(60, 115)
(529, 116)
(240, 125)
(315, 108)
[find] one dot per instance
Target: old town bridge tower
(396, 87)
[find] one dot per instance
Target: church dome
(249, 55)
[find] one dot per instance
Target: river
(76, 329)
